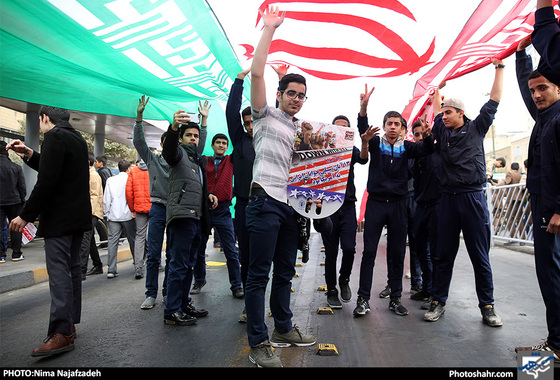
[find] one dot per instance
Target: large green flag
(100, 55)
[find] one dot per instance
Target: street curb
(32, 277)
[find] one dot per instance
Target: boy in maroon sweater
(219, 172)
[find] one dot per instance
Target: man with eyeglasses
(271, 222)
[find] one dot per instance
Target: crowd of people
(178, 196)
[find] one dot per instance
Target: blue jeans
(183, 242)
(547, 265)
(156, 233)
(273, 237)
(221, 220)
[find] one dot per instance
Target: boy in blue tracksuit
(386, 205)
(542, 98)
(463, 205)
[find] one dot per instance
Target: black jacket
(13, 189)
(462, 151)
(60, 198)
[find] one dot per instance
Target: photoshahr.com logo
(359, 38)
(535, 365)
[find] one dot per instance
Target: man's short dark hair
(341, 117)
(123, 165)
(3, 148)
(102, 159)
(189, 125)
(220, 136)
(91, 158)
(394, 114)
(535, 74)
(502, 160)
(289, 78)
(514, 166)
(246, 112)
(56, 115)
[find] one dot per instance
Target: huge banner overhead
(99, 55)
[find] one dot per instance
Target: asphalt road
(116, 333)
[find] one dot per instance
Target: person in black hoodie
(542, 98)
(387, 188)
(60, 199)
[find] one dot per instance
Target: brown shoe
(55, 344)
(545, 347)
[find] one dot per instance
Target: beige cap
(455, 103)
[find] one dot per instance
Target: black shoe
(396, 306)
(332, 299)
(362, 307)
(238, 293)
(420, 296)
(345, 292)
(190, 310)
(179, 318)
(95, 270)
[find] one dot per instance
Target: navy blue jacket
(543, 163)
(243, 155)
(389, 168)
(427, 185)
(462, 151)
(546, 39)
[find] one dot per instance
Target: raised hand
(272, 17)
(141, 107)
(364, 100)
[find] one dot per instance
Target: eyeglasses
(291, 94)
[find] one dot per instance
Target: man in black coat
(60, 199)
(12, 198)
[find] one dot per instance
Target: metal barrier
(510, 213)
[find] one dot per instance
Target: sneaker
(420, 296)
(263, 356)
(362, 307)
(490, 317)
(396, 306)
(148, 303)
(243, 316)
(18, 258)
(437, 309)
(238, 293)
(544, 346)
(112, 274)
(197, 288)
(345, 292)
(426, 304)
(292, 338)
(2, 259)
(415, 289)
(332, 299)
(385, 293)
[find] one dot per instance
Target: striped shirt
(274, 134)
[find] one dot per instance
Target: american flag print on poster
(320, 168)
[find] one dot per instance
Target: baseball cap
(453, 102)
